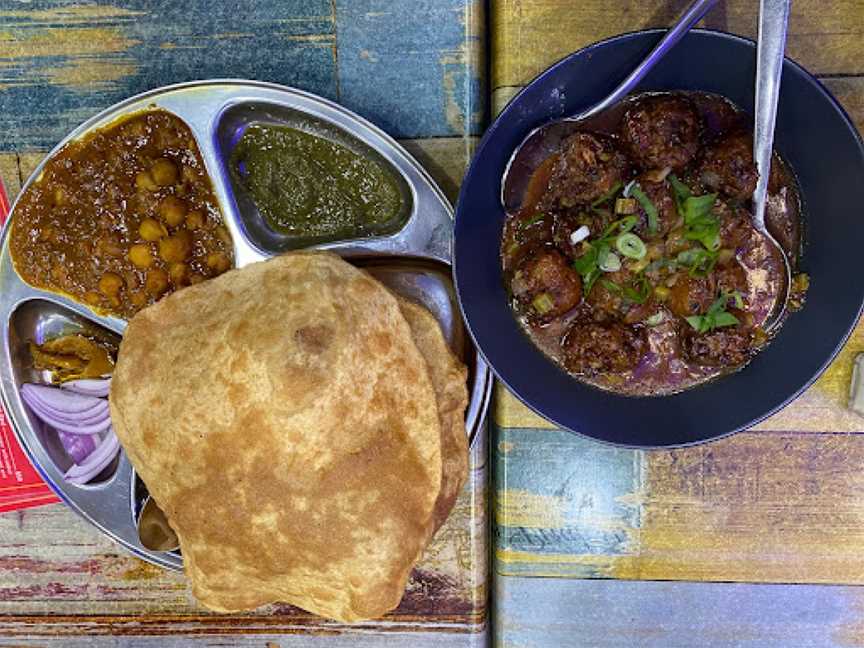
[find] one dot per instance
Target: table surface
(731, 543)
(61, 61)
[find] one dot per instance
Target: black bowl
(813, 134)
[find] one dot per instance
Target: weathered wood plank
(528, 35)
(561, 613)
(62, 62)
(759, 506)
(420, 79)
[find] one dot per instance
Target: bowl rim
(490, 132)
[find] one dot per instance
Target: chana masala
(633, 262)
(122, 217)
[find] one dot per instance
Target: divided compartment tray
(413, 261)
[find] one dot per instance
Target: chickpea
(172, 210)
(179, 273)
(218, 262)
(60, 197)
(110, 284)
(176, 248)
(140, 256)
(138, 299)
(152, 230)
(164, 172)
(194, 220)
(145, 182)
(157, 282)
(93, 298)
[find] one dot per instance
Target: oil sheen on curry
(122, 217)
(633, 262)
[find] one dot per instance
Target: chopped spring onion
(580, 234)
(639, 291)
(608, 261)
(536, 218)
(647, 205)
(630, 246)
(655, 319)
(606, 197)
(628, 188)
(543, 303)
(625, 206)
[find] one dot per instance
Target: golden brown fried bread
(284, 419)
(449, 378)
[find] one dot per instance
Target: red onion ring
(98, 460)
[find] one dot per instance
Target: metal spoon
(773, 18)
(544, 140)
(153, 529)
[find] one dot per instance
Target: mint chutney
(309, 186)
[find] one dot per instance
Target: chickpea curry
(122, 217)
(633, 262)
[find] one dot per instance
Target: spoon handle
(773, 18)
(690, 17)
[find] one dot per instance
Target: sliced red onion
(78, 414)
(61, 400)
(90, 422)
(96, 462)
(88, 386)
(78, 446)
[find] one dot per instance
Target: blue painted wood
(566, 495)
(62, 61)
(409, 66)
(560, 613)
(413, 68)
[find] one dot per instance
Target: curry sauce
(122, 217)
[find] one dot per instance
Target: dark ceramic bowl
(813, 134)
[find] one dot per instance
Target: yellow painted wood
(528, 35)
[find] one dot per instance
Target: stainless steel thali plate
(414, 261)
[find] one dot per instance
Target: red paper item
(20, 484)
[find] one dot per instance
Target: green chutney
(309, 186)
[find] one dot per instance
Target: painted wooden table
(414, 69)
(732, 543)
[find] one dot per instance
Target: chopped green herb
(699, 223)
(717, 316)
(699, 261)
(647, 205)
(682, 191)
(536, 218)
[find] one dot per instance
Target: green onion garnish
(647, 205)
(608, 261)
(543, 303)
(639, 291)
(609, 195)
(655, 319)
(631, 246)
(536, 218)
